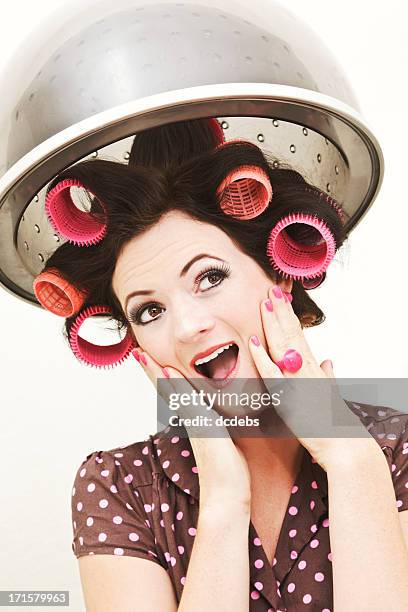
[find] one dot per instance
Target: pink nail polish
(143, 359)
(166, 372)
(269, 305)
(255, 340)
(277, 292)
(136, 355)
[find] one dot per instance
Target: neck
(278, 452)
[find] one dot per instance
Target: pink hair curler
(79, 227)
(56, 294)
(331, 201)
(292, 361)
(297, 260)
(242, 140)
(334, 205)
(245, 192)
(217, 129)
(96, 355)
(313, 283)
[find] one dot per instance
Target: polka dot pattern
(142, 500)
(112, 516)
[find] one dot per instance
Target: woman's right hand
(222, 468)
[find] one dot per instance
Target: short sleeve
(108, 510)
(400, 470)
(389, 427)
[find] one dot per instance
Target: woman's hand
(223, 472)
(308, 407)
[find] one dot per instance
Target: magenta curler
(217, 130)
(93, 354)
(79, 227)
(331, 201)
(313, 283)
(294, 258)
(334, 205)
(245, 192)
(225, 143)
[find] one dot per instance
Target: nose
(191, 321)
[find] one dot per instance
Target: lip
(209, 351)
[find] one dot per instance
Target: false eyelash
(224, 269)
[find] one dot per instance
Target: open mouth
(221, 366)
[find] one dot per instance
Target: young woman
(188, 266)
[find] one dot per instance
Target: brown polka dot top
(142, 500)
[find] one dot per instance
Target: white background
(55, 411)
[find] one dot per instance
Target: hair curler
(313, 283)
(245, 192)
(93, 354)
(309, 255)
(217, 130)
(80, 227)
(56, 294)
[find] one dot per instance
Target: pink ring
(292, 361)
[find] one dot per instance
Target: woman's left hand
(308, 407)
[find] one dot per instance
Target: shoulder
(111, 499)
(135, 463)
(389, 428)
(387, 425)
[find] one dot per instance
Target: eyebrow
(182, 273)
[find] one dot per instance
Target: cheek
(244, 301)
(158, 347)
(133, 334)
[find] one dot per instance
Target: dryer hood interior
(270, 81)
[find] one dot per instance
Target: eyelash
(224, 270)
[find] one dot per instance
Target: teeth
(212, 355)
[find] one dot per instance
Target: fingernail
(277, 292)
(143, 359)
(136, 356)
(269, 305)
(255, 340)
(288, 296)
(166, 372)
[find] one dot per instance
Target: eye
(135, 315)
(221, 272)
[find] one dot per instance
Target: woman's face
(186, 313)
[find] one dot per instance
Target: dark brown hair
(177, 167)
